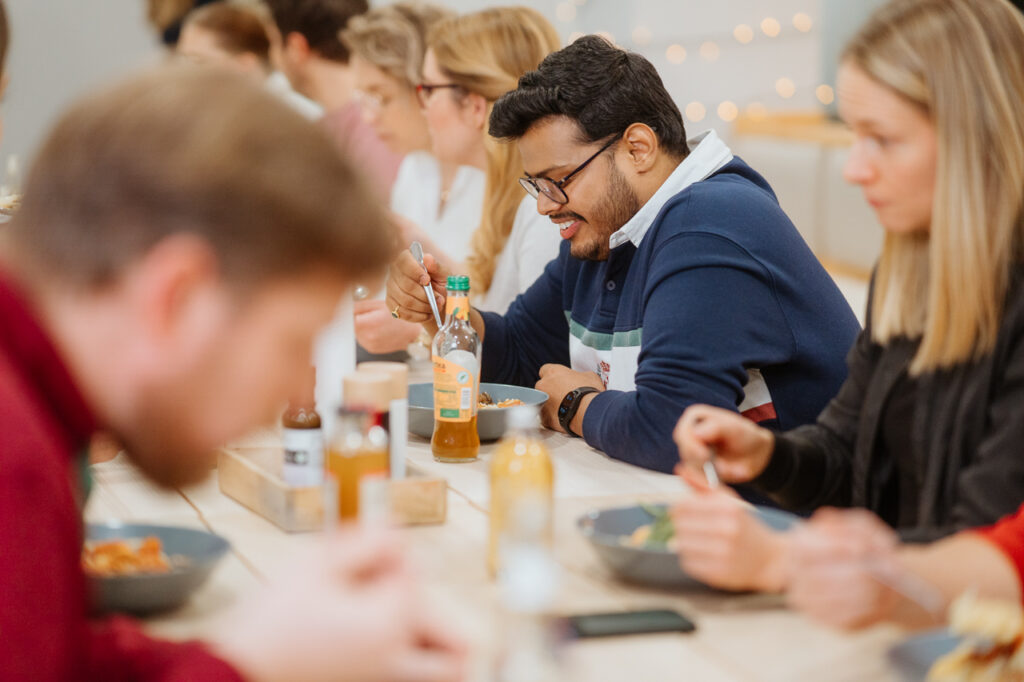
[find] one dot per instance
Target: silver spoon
(417, 252)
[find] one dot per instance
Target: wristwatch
(570, 405)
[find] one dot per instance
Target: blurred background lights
(607, 36)
(825, 94)
(574, 36)
(743, 34)
(785, 88)
(802, 22)
(770, 27)
(695, 111)
(727, 111)
(675, 54)
(642, 36)
(709, 51)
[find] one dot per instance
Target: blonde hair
(962, 64)
(393, 37)
(486, 53)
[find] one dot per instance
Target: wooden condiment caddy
(250, 474)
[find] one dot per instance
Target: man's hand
(556, 381)
(351, 613)
(406, 296)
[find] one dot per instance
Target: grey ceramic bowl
(490, 423)
(913, 657)
(149, 593)
(651, 566)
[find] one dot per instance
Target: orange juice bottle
(358, 452)
(522, 486)
(456, 354)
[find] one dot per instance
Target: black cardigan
(967, 430)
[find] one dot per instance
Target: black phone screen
(629, 623)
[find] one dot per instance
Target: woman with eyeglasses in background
(470, 62)
(437, 203)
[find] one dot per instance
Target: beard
(162, 449)
(619, 205)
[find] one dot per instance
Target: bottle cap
(397, 371)
(458, 283)
(367, 390)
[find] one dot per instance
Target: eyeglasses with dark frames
(425, 90)
(555, 189)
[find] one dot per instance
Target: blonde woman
(926, 432)
(470, 62)
(439, 203)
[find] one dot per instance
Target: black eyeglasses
(555, 190)
(425, 90)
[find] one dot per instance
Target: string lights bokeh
(710, 48)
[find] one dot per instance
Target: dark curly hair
(603, 88)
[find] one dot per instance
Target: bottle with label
(529, 641)
(303, 438)
(521, 472)
(358, 454)
(456, 354)
(398, 410)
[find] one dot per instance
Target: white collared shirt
(708, 154)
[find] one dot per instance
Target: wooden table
(745, 637)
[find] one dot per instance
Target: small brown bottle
(303, 438)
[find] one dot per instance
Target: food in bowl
(991, 648)
(485, 400)
(658, 533)
(127, 557)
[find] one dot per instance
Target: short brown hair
(5, 37)
(189, 150)
(320, 22)
(238, 30)
(394, 37)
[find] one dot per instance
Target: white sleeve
(536, 243)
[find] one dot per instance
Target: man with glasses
(680, 279)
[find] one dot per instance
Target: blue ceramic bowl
(490, 422)
(149, 593)
(608, 529)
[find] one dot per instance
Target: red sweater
(45, 633)
(1008, 535)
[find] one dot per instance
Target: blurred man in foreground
(181, 240)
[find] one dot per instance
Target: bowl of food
(635, 542)
(495, 399)
(141, 568)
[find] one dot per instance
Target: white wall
(60, 49)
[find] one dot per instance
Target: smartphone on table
(621, 623)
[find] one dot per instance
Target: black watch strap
(570, 405)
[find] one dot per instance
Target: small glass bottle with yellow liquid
(456, 354)
(522, 482)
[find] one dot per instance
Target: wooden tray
(250, 476)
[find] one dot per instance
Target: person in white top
(237, 38)
(470, 62)
(436, 202)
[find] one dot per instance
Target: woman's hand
(721, 543)
(741, 449)
(836, 561)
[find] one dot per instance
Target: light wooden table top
(738, 637)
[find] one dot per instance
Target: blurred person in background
(440, 203)
(926, 432)
(166, 15)
(306, 44)
(680, 279)
(471, 61)
(235, 36)
(224, 233)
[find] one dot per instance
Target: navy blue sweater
(722, 303)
